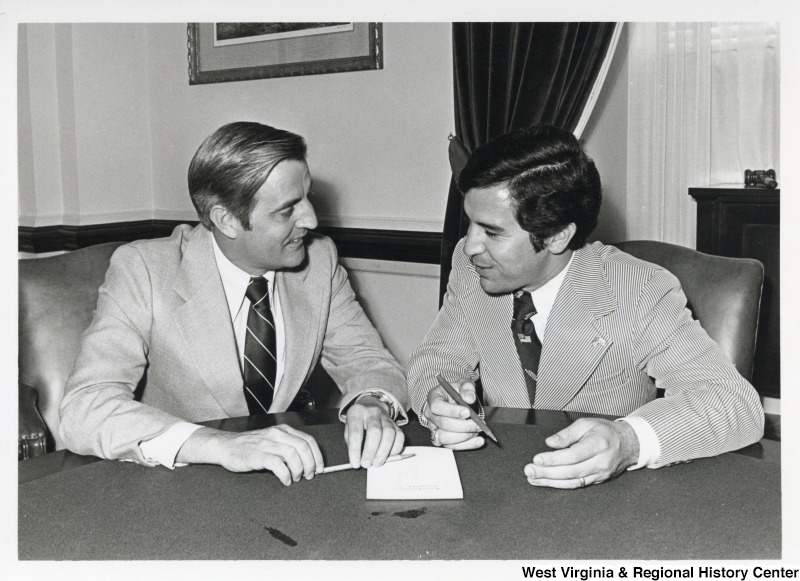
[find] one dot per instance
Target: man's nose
(308, 217)
(473, 244)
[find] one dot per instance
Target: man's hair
(234, 162)
(551, 180)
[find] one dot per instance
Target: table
(728, 507)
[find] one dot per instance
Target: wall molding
(380, 223)
(374, 244)
(190, 215)
(397, 245)
(391, 267)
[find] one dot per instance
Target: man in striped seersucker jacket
(606, 328)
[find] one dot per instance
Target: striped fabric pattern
(619, 329)
(529, 347)
(260, 361)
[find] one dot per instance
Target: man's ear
(558, 242)
(225, 221)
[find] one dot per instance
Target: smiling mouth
(298, 240)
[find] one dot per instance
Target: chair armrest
(32, 429)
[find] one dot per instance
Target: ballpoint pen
(341, 467)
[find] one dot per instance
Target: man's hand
(588, 451)
(451, 421)
(288, 453)
(368, 423)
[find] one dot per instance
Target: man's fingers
(299, 450)
(569, 435)
(440, 404)
(446, 415)
(399, 442)
(563, 484)
(371, 436)
(459, 440)
(373, 433)
(468, 392)
(294, 460)
(576, 476)
(575, 454)
(472, 444)
(312, 444)
(568, 472)
(354, 436)
(275, 465)
(454, 425)
(454, 428)
(388, 433)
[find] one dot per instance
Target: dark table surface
(73, 507)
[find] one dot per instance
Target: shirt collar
(544, 296)
(234, 279)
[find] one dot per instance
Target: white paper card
(431, 474)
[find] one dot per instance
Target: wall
(377, 139)
(87, 157)
(115, 124)
(383, 289)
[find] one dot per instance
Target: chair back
(57, 297)
(723, 293)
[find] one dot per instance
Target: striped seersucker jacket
(619, 328)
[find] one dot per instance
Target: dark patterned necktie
(529, 348)
(260, 365)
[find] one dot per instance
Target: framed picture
(238, 51)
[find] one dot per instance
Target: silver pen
(341, 467)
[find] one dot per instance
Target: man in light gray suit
(548, 321)
(230, 318)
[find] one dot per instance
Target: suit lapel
(300, 306)
(574, 327)
(204, 323)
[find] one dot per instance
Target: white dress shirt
(543, 299)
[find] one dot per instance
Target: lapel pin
(599, 342)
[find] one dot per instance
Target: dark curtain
(513, 75)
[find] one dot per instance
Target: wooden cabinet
(745, 222)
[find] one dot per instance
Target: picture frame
(224, 52)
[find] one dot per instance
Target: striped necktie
(529, 348)
(260, 364)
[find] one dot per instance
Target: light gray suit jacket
(619, 328)
(162, 330)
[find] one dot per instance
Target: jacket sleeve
(708, 407)
(99, 415)
(352, 351)
(448, 347)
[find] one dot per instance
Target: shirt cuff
(649, 446)
(164, 447)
